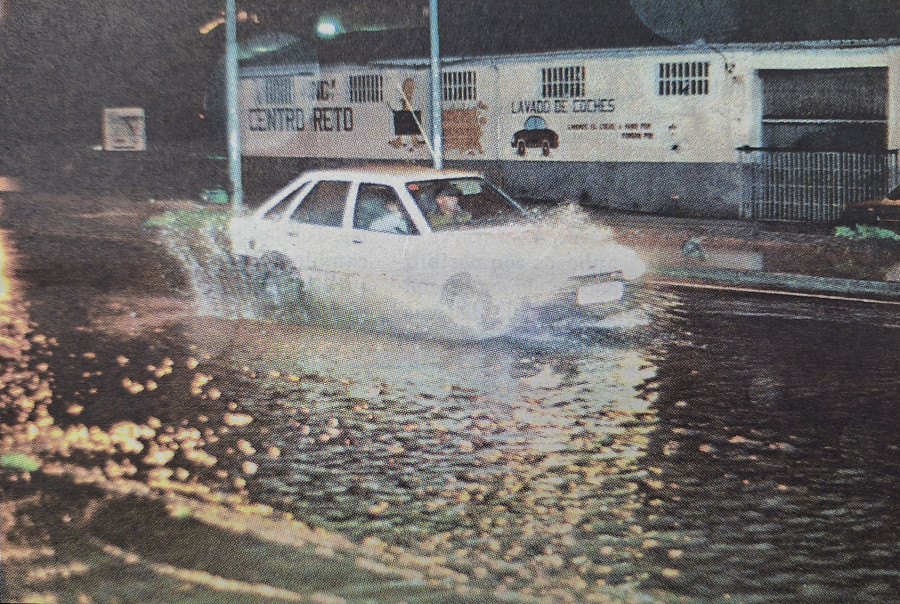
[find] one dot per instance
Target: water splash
(571, 218)
(218, 282)
(222, 287)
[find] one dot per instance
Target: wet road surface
(736, 449)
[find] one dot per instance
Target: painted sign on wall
(464, 127)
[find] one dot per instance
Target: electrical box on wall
(123, 129)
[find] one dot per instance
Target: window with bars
(563, 82)
(689, 78)
(277, 91)
(366, 88)
(459, 86)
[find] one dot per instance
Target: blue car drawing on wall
(535, 134)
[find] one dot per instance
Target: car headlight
(599, 293)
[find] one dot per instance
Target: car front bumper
(595, 296)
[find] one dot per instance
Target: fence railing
(812, 186)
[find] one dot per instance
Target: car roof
(387, 174)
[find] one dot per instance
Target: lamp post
(437, 129)
(231, 103)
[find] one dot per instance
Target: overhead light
(328, 27)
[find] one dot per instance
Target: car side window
(278, 209)
(324, 205)
(378, 208)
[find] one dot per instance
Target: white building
(785, 130)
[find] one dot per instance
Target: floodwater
(735, 449)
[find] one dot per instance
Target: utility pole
(437, 128)
(231, 103)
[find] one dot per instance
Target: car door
(385, 245)
(264, 232)
(313, 232)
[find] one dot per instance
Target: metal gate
(812, 186)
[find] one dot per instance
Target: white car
(390, 246)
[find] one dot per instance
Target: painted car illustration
(324, 248)
(535, 134)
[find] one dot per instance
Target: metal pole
(231, 101)
(437, 129)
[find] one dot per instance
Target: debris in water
(238, 419)
(20, 461)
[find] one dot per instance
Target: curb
(774, 283)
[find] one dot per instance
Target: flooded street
(734, 449)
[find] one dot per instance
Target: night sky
(62, 62)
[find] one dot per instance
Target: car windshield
(477, 203)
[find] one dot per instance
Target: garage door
(825, 109)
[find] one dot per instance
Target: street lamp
(231, 102)
(207, 27)
(437, 130)
(328, 27)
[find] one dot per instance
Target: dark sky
(62, 62)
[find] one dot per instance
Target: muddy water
(778, 423)
(745, 451)
(514, 465)
(736, 449)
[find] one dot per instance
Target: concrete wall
(688, 189)
(694, 189)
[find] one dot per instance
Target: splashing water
(200, 242)
(571, 217)
(222, 287)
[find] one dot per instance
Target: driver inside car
(448, 211)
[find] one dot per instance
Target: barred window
(689, 78)
(563, 82)
(459, 86)
(278, 91)
(366, 88)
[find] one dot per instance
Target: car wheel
(545, 148)
(277, 288)
(470, 306)
(520, 148)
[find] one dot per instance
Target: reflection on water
(5, 267)
(514, 467)
(485, 464)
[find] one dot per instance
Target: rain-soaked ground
(735, 449)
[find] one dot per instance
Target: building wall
(621, 116)
(328, 121)
(751, 67)
(627, 136)
(690, 189)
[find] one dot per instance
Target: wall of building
(645, 129)
(621, 117)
